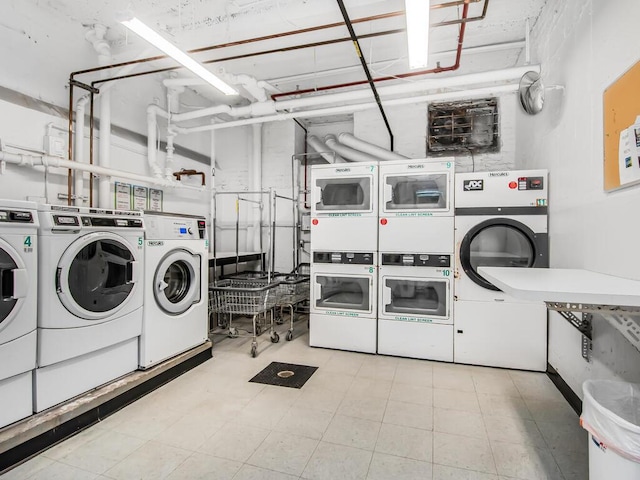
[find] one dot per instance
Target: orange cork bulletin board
(621, 102)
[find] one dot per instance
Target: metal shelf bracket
(624, 319)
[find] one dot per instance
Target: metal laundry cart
(249, 298)
(293, 289)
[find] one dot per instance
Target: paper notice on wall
(155, 200)
(140, 195)
(629, 154)
(123, 196)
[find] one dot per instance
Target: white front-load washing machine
(415, 305)
(501, 221)
(343, 301)
(18, 311)
(91, 267)
(176, 279)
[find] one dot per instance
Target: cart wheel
(279, 320)
(233, 333)
(254, 351)
(275, 338)
(289, 336)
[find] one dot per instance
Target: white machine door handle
(20, 283)
(132, 272)
(162, 285)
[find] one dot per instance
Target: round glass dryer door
(497, 243)
(13, 283)
(96, 275)
(176, 283)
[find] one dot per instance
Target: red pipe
(455, 66)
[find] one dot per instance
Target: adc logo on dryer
(473, 185)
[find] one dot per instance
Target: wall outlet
(55, 146)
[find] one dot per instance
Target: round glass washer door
(97, 275)
(497, 243)
(176, 284)
(13, 283)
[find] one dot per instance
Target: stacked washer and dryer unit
(416, 243)
(501, 221)
(18, 308)
(344, 247)
(91, 265)
(176, 282)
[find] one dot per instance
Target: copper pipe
(270, 37)
(255, 54)
(453, 67)
(245, 41)
(91, 149)
(188, 173)
(70, 147)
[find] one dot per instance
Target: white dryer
(176, 279)
(415, 306)
(343, 301)
(91, 296)
(416, 206)
(18, 311)
(501, 221)
(344, 207)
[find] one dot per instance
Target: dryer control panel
(170, 227)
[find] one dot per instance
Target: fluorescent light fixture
(155, 39)
(417, 15)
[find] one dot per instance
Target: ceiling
(43, 41)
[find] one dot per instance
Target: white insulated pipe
(104, 182)
(366, 147)
(168, 162)
(56, 162)
(271, 107)
(433, 97)
(78, 188)
(152, 139)
(324, 151)
(347, 152)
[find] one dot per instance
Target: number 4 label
(27, 241)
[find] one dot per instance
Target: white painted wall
(25, 128)
(584, 45)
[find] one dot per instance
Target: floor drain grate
(284, 375)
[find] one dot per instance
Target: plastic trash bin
(611, 415)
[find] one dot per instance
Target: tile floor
(358, 417)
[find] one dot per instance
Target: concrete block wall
(409, 126)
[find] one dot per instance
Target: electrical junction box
(55, 146)
(306, 221)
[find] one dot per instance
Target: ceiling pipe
(365, 67)
(349, 140)
(320, 147)
(494, 47)
(270, 107)
(346, 152)
(432, 97)
(455, 66)
(56, 162)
